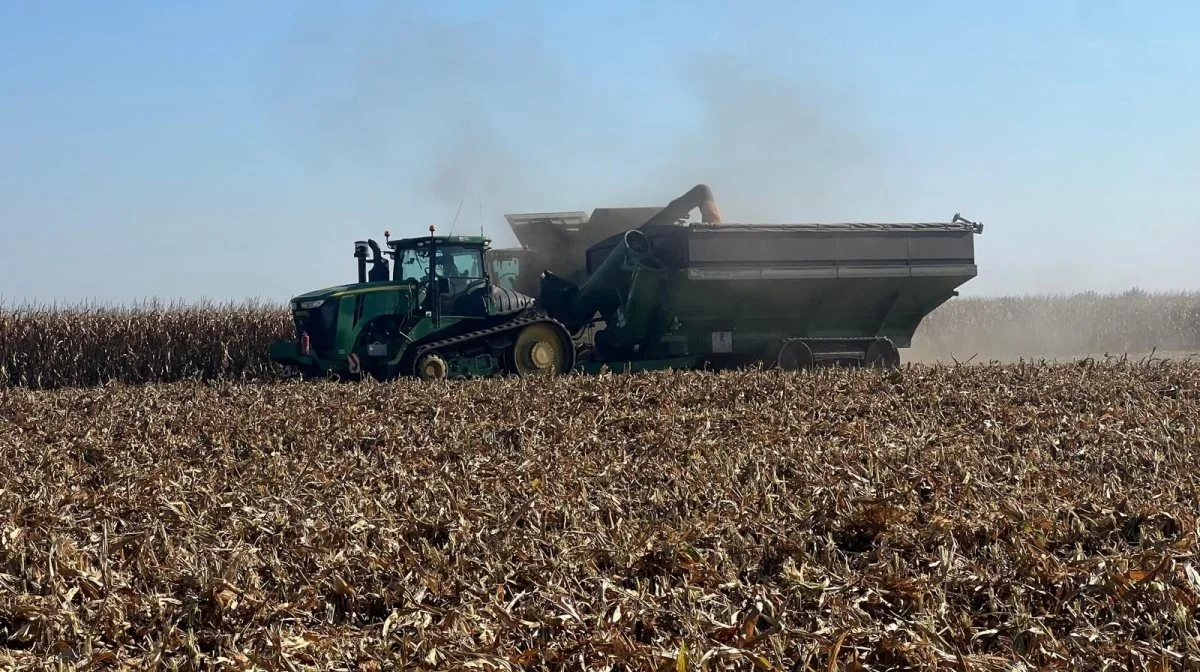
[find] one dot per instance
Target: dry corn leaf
(981, 516)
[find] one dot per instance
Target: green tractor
(432, 311)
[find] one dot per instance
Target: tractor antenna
(455, 218)
(480, 215)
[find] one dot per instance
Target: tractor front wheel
(431, 366)
(540, 350)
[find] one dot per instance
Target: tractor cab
(449, 274)
(451, 266)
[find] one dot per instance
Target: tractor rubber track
(511, 325)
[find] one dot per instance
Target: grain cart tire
(541, 349)
(794, 356)
(431, 366)
(882, 354)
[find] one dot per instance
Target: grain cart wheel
(883, 354)
(794, 356)
(540, 350)
(431, 366)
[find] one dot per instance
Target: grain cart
(795, 296)
(665, 294)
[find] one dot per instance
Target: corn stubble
(953, 517)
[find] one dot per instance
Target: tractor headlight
(309, 305)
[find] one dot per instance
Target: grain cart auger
(438, 314)
(558, 241)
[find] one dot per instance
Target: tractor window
(506, 271)
(462, 267)
(413, 265)
(459, 262)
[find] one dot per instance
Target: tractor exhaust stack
(360, 253)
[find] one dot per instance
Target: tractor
(425, 307)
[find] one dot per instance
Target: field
(940, 516)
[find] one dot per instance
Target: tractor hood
(323, 293)
(341, 290)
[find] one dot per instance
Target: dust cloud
(778, 148)
(426, 115)
(430, 115)
(1061, 327)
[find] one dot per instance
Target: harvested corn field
(958, 518)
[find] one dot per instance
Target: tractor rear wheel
(540, 350)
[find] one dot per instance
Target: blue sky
(229, 150)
